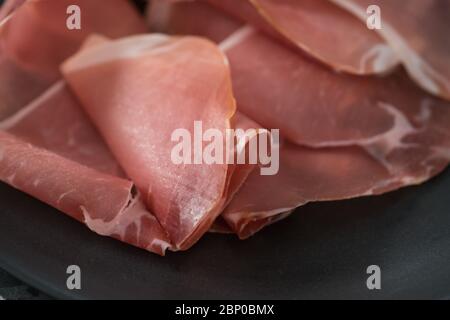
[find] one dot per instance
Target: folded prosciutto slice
(319, 28)
(418, 32)
(51, 151)
(138, 91)
(35, 39)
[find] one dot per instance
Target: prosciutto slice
(311, 175)
(418, 32)
(304, 24)
(34, 41)
(51, 151)
(127, 87)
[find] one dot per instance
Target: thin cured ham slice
(34, 40)
(418, 32)
(325, 174)
(64, 162)
(319, 28)
(316, 107)
(140, 89)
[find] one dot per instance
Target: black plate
(322, 251)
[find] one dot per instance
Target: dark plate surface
(322, 251)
